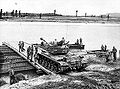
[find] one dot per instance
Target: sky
(65, 7)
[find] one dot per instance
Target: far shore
(61, 19)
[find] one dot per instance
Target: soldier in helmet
(105, 48)
(19, 46)
(12, 76)
(81, 41)
(77, 42)
(114, 51)
(22, 46)
(28, 52)
(102, 48)
(61, 42)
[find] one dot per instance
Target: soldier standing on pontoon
(36, 51)
(105, 48)
(77, 42)
(21, 46)
(114, 51)
(80, 41)
(102, 48)
(28, 52)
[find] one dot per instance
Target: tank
(58, 59)
(59, 63)
(52, 64)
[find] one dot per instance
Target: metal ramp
(34, 64)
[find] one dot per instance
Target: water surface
(93, 35)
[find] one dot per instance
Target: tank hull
(76, 46)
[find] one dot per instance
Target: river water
(93, 35)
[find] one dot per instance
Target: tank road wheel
(52, 67)
(59, 68)
(46, 64)
(40, 61)
(43, 62)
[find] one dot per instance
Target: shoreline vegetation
(17, 16)
(63, 19)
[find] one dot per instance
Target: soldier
(22, 46)
(12, 76)
(19, 46)
(55, 42)
(28, 52)
(42, 43)
(63, 40)
(105, 48)
(102, 48)
(80, 41)
(114, 51)
(107, 56)
(77, 42)
(36, 49)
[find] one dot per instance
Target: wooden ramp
(36, 65)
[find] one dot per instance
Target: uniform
(12, 77)
(114, 51)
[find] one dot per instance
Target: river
(93, 35)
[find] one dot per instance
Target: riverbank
(103, 76)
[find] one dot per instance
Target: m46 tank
(59, 63)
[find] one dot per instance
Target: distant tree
(16, 13)
(19, 13)
(0, 13)
(12, 13)
(76, 12)
(6, 13)
(101, 16)
(108, 17)
(54, 12)
(85, 14)
(40, 15)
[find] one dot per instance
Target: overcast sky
(66, 7)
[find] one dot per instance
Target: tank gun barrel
(44, 41)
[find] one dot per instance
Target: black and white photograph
(59, 44)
